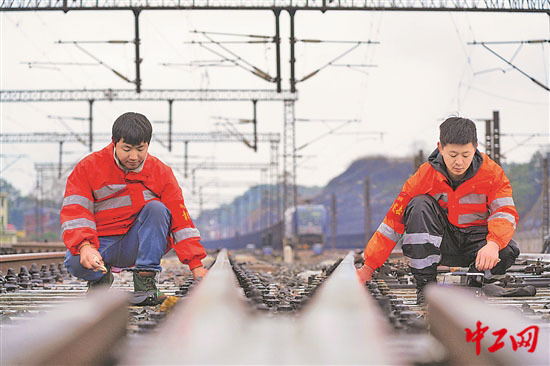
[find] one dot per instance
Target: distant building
(7, 231)
(42, 223)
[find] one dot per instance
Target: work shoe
(421, 284)
(145, 289)
(105, 281)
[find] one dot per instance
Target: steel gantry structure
(150, 95)
(264, 169)
(273, 207)
(172, 95)
(292, 5)
(186, 138)
(276, 6)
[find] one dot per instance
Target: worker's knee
(421, 213)
(155, 208)
(509, 253)
(420, 203)
(156, 213)
(507, 258)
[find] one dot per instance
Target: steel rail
(15, 261)
(341, 326)
(39, 246)
(452, 311)
(534, 257)
(82, 332)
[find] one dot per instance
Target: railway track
(32, 247)
(16, 261)
(252, 309)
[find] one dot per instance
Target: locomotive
(306, 225)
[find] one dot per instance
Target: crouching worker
(124, 208)
(457, 210)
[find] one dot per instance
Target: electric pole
(368, 217)
(492, 137)
(545, 199)
(333, 222)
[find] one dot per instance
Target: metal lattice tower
(545, 198)
(496, 137)
(418, 159)
(289, 160)
(333, 221)
(273, 194)
(492, 137)
(368, 213)
(262, 167)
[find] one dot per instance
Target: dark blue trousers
(142, 246)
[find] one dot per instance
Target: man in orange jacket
(123, 207)
(457, 210)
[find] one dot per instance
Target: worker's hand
(365, 274)
(487, 257)
(199, 272)
(90, 258)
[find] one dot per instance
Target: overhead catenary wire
(356, 67)
(313, 73)
(335, 41)
(233, 130)
(228, 42)
(211, 40)
(331, 62)
(76, 135)
(544, 59)
(491, 70)
(468, 61)
(524, 141)
(529, 41)
(232, 34)
(219, 63)
(331, 131)
(54, 31)
(233, 61)
(111, 41)
(100, 61)
(327, 120)
(15, 158)
(469, 86)
(256, 71)
(484, 44)
(54, 63)
(31, 42)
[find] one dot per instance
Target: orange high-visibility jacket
(485, 199)
(102, 200)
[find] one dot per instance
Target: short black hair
(457, 130)
(135, 128)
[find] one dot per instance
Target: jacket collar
(123, 168)
(436, 161)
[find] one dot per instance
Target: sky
(421, 71)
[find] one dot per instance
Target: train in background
(306, 225)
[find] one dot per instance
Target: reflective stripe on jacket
(102, 200)
(485, 199)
